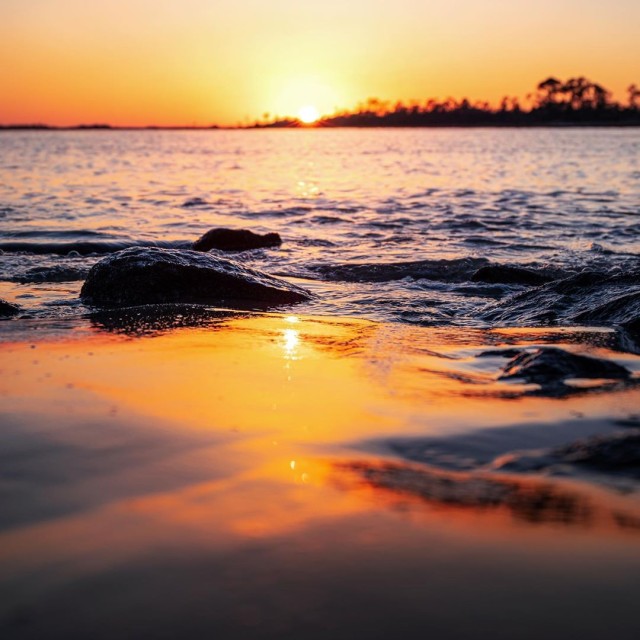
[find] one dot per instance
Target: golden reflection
(201, 422)
(291, 340)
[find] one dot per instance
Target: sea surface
(444, 442)
(384, 224)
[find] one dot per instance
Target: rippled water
(391, 200)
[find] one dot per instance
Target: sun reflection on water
(291, 342)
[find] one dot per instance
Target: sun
(308, 114)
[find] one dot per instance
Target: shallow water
(391, 201)
(149, 491)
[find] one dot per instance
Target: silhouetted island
(576, 102)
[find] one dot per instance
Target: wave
(588, 298)
(456, 270)
(88, 247)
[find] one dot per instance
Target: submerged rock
(235, 240)
(551, 366)
(503, 274)
(8, 309)
(149, 275)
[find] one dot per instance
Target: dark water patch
(156, 319)
(617, 453)
(507, 274)
(87, 248)
(327, 219)
(58, 273)
(58, 234)
(195, 202)
(8, 309)
(530, 501)
(457, 270)
(483, 240)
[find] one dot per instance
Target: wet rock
(590, 297)
(503, 274)
(150, 275)
(8, 309)
(235, 240)
(551, 366)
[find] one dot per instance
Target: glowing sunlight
(308, 114)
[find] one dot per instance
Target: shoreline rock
(150, 275)
(235, 240)
(552, 366)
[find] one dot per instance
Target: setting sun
(308, 114)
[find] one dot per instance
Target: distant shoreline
(547, 125)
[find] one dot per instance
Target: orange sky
(174, 62)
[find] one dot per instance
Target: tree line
(574, 102)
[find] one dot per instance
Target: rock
(8, 309)
(503, 274)
(551, 366)
(593, 298)
(235, 240)
(149, 275)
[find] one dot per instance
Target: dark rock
(503, 274)
(590, 297)
(235, 240)
(551, 366)
(150, 275)
(8, 309)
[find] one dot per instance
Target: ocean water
(383, 224)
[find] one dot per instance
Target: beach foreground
(280, 476)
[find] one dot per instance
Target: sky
(200, 62)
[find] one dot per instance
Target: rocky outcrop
(150, 275)
(235, 240)
(551, 366)
(8, 309)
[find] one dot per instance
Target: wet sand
(271, 476)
